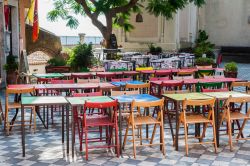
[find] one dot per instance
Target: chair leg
(162, 139)
(215, 141)
(230, 135)
(153, 134)
(81, 138)
(86, 143)
(241, 128)
(134, 146)
(125, 137)
(204, 131)
(117, 141)
(34, 112)
(140, 128)
(31, 112)
(186, 138)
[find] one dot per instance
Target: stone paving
(44, 147)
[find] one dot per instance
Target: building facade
(12, 30)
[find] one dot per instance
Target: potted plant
(57, 64)
(231, 70)
(154, 50)
(204, 62)
(11, 68)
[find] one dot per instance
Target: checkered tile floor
(44, 147)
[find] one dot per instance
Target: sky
(59, 27)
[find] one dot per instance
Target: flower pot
(229, 74)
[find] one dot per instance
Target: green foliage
(68, 9)
(57, 61)
(11, 64)
(154, 50)
(203, 46)
(204, 61)
(231, 67)
(81, 57)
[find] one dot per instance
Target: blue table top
(123, 83)
(139, 97)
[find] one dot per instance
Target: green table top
(225, 95)
(44, 100)
(79, 101)
(183, 96)
(48, 75)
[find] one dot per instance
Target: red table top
(147, 71)
(130, 72)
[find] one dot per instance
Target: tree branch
(124, 8)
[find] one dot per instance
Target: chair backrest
(209, 85)
(239, 100)
(147, 104)
(62, 81)
(214, 90)
(195, 103)
(119, 93)
(17, 91)
(99, 93)
(239, 86)
(143, 88)
(43, 80)
(120, 79)
(182, 77)
(185, 73)
(101, 105)
(159, 78)
(205, 72)
(169, 87)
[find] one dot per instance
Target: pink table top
(130, 72)
(79, 86)
(105, 73)
(81, 74)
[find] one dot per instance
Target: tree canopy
(116, 12)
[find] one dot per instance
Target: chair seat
(98, 120)
(145, 120)
(14, 105)
(238, 115)
(196, 119)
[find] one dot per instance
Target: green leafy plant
(154, 50)
(204, 61)
(203, 46)
(56, 61)
(81, 57)
(231, 67)
(11, 64)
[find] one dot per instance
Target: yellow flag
(30, 15)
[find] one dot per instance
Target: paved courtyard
(45, 148)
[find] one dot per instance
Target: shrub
(56, 61)
(204, 61)
(81, 57)
(11, 64)
(231, 67)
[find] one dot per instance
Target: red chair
(108, 121)
(120, 79)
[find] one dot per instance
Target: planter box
(57, 69)
(230, 74)
(144, 68)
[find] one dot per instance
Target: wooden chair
(140, 119)
(143, 88)
(185, 73)
(108, 121)
(240, 86)
(186, 118)
(231, 114)
(9, 106)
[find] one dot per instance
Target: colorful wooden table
(178, 99)
(80, 101)
(49, 75)
(45, 101)
(123, 83)
(220, 96)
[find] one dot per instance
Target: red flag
(35, 30)
(6, 16)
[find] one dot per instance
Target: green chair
(202, 73)
(212, 85)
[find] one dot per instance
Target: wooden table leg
(62, 126)
(74, 109)
(67, 126)
(23, 131)
(217, 125)
(176, 126)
